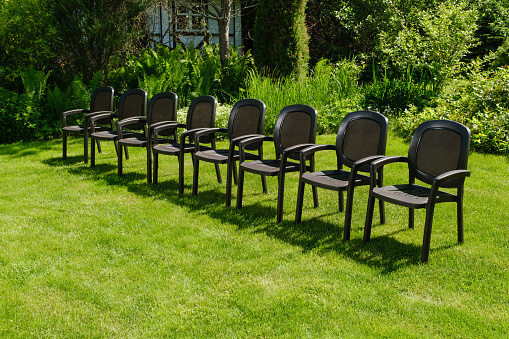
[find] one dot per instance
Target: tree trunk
(224, 30)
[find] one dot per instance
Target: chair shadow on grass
(313, 235)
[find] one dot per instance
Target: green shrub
(12, 130)
(435, 40)
(188, 72)
(482, 105)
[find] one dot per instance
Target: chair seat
(134, 142)
(74, 129)
(220, 156)
(174, 149)
(335, 180)
(268, 167)
(411, 196)
(105, 135)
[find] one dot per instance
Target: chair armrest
(379, 163)
(99, 116)
(450, 175)
(92, 114)
(387, 160)
(75, 111)
(248, 140)
(365, 161)
(311, 150)
(72, 112)
(161, 127)
(251, 140)
(443, 178)
(295, 148)
(161, 123)
(206, 132)
(129, 121)
(315, 148)
(189, 133)
(235, 141)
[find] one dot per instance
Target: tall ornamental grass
(331, 88)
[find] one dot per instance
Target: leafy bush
(189, 72)
(434, 41)
(482, 105)
(36, 113)
(12, 129)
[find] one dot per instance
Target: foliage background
(410, 61)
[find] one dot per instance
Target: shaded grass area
(84, 253)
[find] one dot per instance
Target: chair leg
(348, 212)
(230, 167)
(427, 232)
(218, 173)
(156, 167)
(264, 180)
(149, 165)
(313, 188)
(459, 216)
(126, 153)
(280, 196)
(300, 202)
(195, 175)
(315, 197)
(92, 153)
(240, 188)
(85, 147)
(381, 204)
(381, 208)
(119, 164)
(411, 218)
(369, 219)
(116, 147)
(181, 173)
(235, 175)
(64, 145)
(264, 184)
(340, 201)
(98, 145)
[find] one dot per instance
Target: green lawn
(84, 253)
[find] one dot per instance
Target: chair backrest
(247, 117)
(361, 134)
(202, 114)
(162, 107)
(296, 124)
(102, 99)
(437, 147)
(133, 103)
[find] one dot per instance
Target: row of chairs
(437, 156)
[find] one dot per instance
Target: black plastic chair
(295, 129)
(361, 138)
(246, 120)
(101, 102)
(132, 104)
(162, 109)
(201, 114)
(437, 156)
